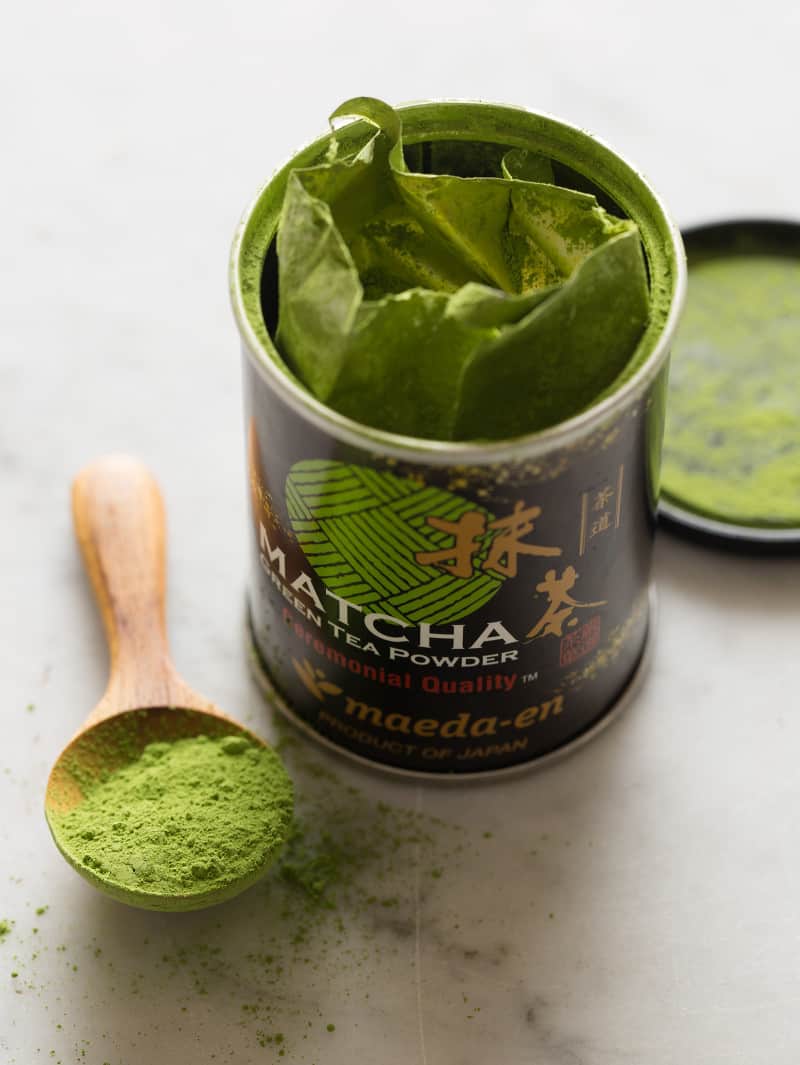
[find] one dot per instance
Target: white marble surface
(636, 903)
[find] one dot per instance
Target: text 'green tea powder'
(732, 440)
(185, 818)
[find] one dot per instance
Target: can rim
(757, 538)
(436, 452)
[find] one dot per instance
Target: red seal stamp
(580, 642)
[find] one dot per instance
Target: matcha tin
(448, 608)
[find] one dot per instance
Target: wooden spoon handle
(120, 525)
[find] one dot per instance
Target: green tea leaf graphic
(362, 530)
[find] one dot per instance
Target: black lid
(731, 468)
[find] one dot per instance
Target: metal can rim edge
(446, 452)
(691, 523)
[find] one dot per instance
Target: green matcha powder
(732, 441)
(186, 817)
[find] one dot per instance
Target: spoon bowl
(119, 522)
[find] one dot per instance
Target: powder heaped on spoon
(184, 818)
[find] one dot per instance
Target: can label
(447, 618)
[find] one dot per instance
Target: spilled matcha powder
(186, 818)
(326, 938)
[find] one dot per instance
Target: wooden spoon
(120, 526)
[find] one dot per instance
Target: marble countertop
(637, 902)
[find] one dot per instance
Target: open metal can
(453, 608)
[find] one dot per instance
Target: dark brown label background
(579, 618)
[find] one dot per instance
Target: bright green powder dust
(189, 818)
(732, 440)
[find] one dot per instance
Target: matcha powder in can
(462, 590)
